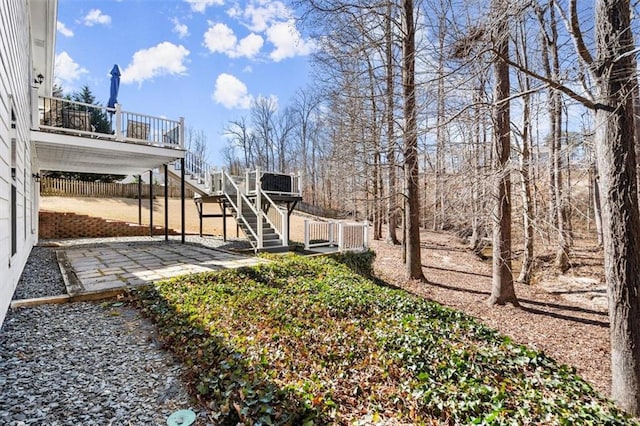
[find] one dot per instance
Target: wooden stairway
(270, 239)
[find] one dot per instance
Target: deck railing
(343, 235)
(270, 182)
(96, 121)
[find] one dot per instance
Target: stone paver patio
(112, 265)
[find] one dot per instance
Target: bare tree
(615, 74)
(283, 125)
(392, 199)
(502, 289)
(525, 161)
(551, 62)
(410, 136)
(263, 111)
(305, 106)
(241, 138)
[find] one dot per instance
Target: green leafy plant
(309, 341)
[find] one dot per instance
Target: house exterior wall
(18, 219)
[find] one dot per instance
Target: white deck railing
(96, 121)
(343, 235)
(270, 182)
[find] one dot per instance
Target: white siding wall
(15, 79)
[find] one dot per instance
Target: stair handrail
(284, 218)
(238, 206)
(197, 166)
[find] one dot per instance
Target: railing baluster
(80, 118)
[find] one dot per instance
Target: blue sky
(204, 60)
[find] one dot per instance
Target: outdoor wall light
(39, 79)
(36, 177)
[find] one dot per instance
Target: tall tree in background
(305, 106)
(99, 119)
(392, 199)
(439, 190)
(524, 82)
(263, 111)
(410, 137)
(557, 200)
(502, 289)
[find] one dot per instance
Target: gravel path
(41, 276)
(83, 363)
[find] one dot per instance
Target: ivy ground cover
(309, 341)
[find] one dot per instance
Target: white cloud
(249, 46)
(247, 69)
(234, 12)
(201, 5)
(179, 28)
(62, 29)
(95, 16)
(219, 38)
(287, 41)
(164, 59)
(262, 14)
(66, 69)
(231, 92)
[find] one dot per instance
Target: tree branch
(573, 26)
(589, 103)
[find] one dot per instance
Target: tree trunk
(527, 206)
(438, 193)
(556, 199)
(392, 200)
(525, 164)
(476, 238)
(597, 211)
(502, 290)
(375, 142)
(614, 142)
(412, 211)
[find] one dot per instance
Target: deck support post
(200, 208)
(224, 221)
(182, 219)
(166, 203)
(259, 209)
(139, 199)
(151, 203)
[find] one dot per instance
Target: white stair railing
(277, 217)
(238, 201)
(264, 207)
(197, 167)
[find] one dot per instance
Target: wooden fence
(75, 188)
